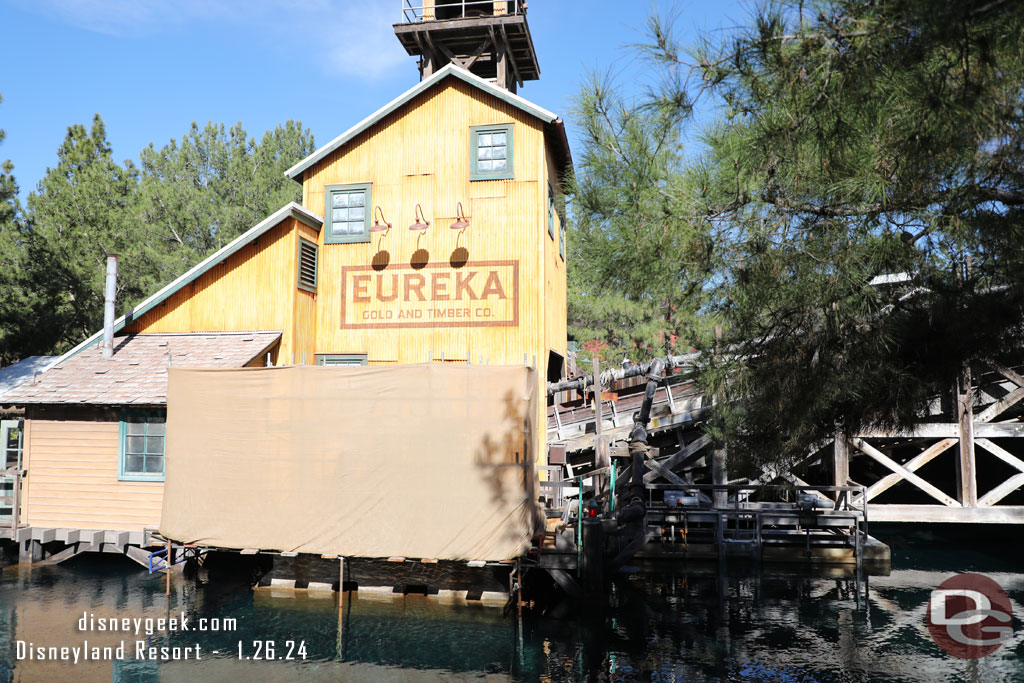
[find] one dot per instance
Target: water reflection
(745, 624)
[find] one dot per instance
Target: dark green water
(690, 624)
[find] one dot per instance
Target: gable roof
(552, 123)
(137, 373)
(289, 210)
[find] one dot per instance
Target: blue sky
(151, 67)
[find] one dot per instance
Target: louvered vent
(307, 265)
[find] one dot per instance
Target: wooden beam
(512, 62)
(1001, 453)
(1009, 374)
(1000, 406)
(659, 469)
(676, 460)
(995, 514)
(1002, 491)
(943, 430)
(881, 457)
(913, 465)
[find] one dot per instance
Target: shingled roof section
(137, 374)
(23, 371)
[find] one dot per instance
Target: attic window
(307, 265)
(347, 213)
(491, 152)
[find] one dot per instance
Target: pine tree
(860, 139)
(81, 210)
(855, 140)
(638, 263)
(11, 237)
(199, 194)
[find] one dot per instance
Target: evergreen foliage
(185, 201)
(81, 210)
(638, 263)
(857, 139)
(199, 194)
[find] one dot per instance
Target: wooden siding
(254, 289)
(304, 322)
(555, 278)
(420, 154)
(71, 482)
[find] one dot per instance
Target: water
(692, 624)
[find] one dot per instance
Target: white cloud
(363, 41)
(350, 37)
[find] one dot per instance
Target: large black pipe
(633, 509)
(608, 376)
(655, 376)
(593, 555)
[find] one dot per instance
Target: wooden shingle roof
(137, 373)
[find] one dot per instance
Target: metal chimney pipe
(108, 307)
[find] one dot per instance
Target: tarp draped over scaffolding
(420, 461)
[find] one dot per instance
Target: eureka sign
(479, 294)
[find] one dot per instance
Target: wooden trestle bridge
(963, 463)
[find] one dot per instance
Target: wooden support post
(719, 459)
(15, 503)
(170, 562)
(720, 475)
(341, 603)
(840, 461)
(503, 70)
(29, 551)
(966, 480)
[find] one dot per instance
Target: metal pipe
(655, 376)
(608, 376)
(108, 307)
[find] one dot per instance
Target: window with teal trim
(143, 435)
(347, 214)
(551, 213)
(490, 152)
(341, 359)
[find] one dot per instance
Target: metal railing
(414, 11)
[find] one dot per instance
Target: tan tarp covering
(411, 460)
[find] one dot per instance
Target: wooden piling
(966, 480)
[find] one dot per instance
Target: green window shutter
(491, 152)
(347, 213)
(307, 265)
(342, 359)
(142, 440)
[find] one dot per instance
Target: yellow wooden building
(431, 231)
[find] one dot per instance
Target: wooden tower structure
(489, 38)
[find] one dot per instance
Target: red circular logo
(969, 616)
